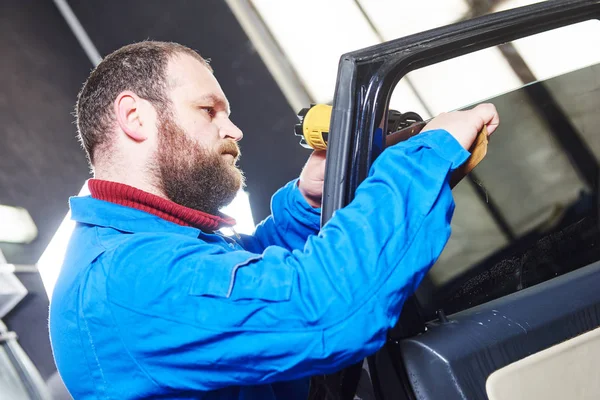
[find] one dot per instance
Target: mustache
(230, 147)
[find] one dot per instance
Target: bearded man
(152, 302)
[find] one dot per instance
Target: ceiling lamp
(16, 225)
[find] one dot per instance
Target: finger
(487, 115)
(320, 154)
(494, 123)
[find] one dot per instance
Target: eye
(210, 111)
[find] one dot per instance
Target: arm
(292, 221)
(241, 318)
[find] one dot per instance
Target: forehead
(190, 80)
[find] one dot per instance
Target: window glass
(528, 212)
(531, 211)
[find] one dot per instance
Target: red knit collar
(129, 196)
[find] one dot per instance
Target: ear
(128, 107)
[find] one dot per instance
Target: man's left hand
(312, 178)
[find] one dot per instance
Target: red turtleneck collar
(135, 198)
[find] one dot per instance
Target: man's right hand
(465, 125)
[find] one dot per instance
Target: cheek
(204, 133)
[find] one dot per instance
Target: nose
(229, 130)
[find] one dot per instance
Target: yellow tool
(313, 130)
(313, 126)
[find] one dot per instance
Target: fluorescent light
(16, 225)
(53, 257)
(395, 19)
(12, 290)
(507, 5)
(314, 34)
(561, 50)
(474, 77)
(338, 26)
(558, 51)
(241, 211)
(404, 99)
(464, 80)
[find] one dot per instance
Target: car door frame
(365, 81)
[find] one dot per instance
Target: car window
(528, 212)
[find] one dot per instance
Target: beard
(194, 176)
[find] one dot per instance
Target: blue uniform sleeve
(291, 222)
(198, 317)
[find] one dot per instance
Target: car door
(512, 307)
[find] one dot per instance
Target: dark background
(42, 67)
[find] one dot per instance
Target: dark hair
(139, 67)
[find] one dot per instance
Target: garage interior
(273, 58)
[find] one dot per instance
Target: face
(197, 151)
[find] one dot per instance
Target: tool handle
(404, 134)
(478, 151)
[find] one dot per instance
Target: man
(153, 303)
